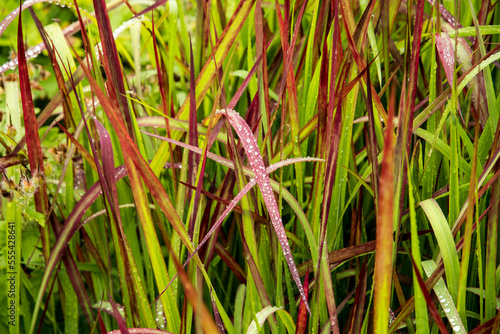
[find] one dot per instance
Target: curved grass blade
(262, 178)
(445, 242)
(445, 299)
(265, 313)
(432, 308)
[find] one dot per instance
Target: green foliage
(138, 173)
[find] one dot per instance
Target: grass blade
(384, 242)
(262, 178)
(445, 242)
(445, 299)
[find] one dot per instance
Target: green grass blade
(445, 299)
(446, 243)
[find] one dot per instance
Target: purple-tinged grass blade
(218, 320)
(231, 263)
(193, 128)
(330, 169)
(150, 8)
(331, 148)
(131, 284)
(108, 164)
(288, 49)
(492, 245)
(263, 76)
(406, 115)
(262, 178)
(35, 155)
(162, 88)
(322, 101)
(291, 88)
(358, 58)
(446, 54)
(102, 326)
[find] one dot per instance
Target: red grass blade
(430, 304)
(112, 62)
(302, 316)
(35, 155)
